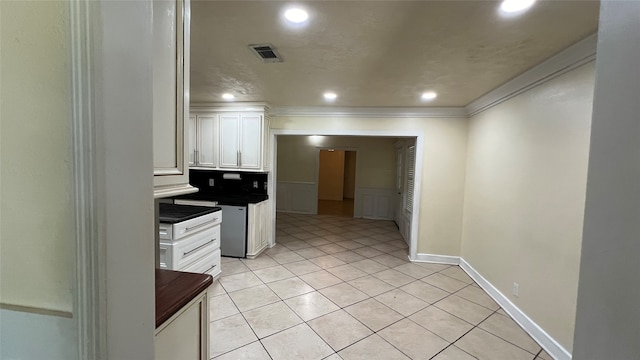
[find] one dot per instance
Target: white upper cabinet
(170, 97)
(241, 141)
(207, 144)
(250, 141)
(229, 139)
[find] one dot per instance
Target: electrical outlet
(516, 289)
(255, 184)
(211, 182)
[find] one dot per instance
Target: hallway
(343, 208)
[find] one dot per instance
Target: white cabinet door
(257, 229)
(252, 230)
(250, 141)
(266, 222)
(263, 224)
(229, 140)
(207, 141)
(185, 335)
(170, 80)
(192, 140)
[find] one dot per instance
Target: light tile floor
(343, 288)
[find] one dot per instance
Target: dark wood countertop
(174, 289)
(172, 213)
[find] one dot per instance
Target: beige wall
(375, 166)
(349, 174)
(440, 227)
(36, 236)
(525, 197)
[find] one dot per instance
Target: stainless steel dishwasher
(233, 231)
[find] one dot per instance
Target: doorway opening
(336, 182)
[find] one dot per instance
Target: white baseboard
(549, 344)
(439, 259)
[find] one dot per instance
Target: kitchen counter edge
(175, 289)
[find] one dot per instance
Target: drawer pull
(211, 268)
(196, 227)
(198, 248)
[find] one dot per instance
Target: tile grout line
(352, 237)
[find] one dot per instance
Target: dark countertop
(225, 199)
(174, 289)
(171, 213)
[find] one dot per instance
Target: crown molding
(566, 60)
(371, 112)
(229, 106)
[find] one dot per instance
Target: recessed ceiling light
(330, 96)
(429, 95)
(296, 15)
(513, 6)
(228, 96)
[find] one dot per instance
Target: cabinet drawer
(177, 254)
(177, 231)
(210, 264)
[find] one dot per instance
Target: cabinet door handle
(198, 248)
(240, 162)
(196, 156)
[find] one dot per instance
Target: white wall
(525, 194)
(608, 312)
(444, 155)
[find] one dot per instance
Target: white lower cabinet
(209, 264)
(177, 255)
(185, 335)
(258, 228)
(192, 245)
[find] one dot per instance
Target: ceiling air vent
(266, 52)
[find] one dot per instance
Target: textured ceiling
(375, 53)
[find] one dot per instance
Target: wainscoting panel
(36, 336)
(373, 203)
(297, 197)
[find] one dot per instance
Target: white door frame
(113, 178)
(415, 215)
(90, 272)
